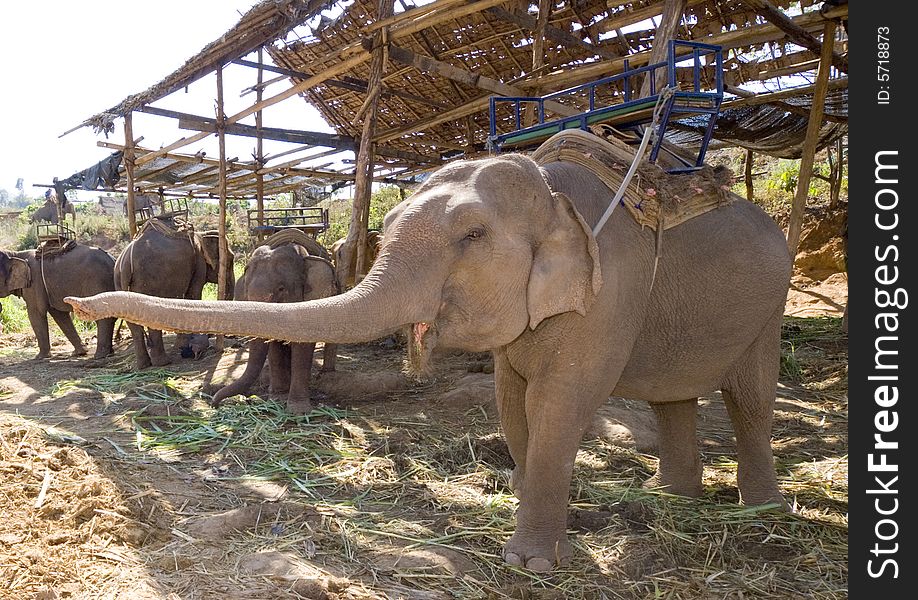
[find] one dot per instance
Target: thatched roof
(447, 57)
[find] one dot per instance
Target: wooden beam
(129, 171)
(436, 67)
(259, 147)
(223, 250)
(750, 188)
(565, 38)
(797, 34)
(630, 16)
(795, 223)
(772, 97)
(797, 110)
(672, 17)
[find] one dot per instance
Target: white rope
(665, 95)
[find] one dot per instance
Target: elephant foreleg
(258, 352)
(279, 365)
(300, 373)
(39, 322)
(679, 471)
(510, 392)
(105, 331)
(141, 356)
(64, 320)
(557, 414)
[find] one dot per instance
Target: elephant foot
(299, 405)
(538, 553)
(763, 497)
(79, 351)
(160, 361)
(42, 355)
(103, 352)
(689, 487)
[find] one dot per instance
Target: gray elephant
(168, 262)
(43, 280)
(286, 272)
(49, 212)
(499, 254)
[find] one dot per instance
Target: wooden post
(839, 173)
(129, 171)
(538, 53)
(353, 251)
(259, 152)
(813, 127)
(669, 23)
(750, 190)
(223, 248)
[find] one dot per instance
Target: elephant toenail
(512, 558)
(539, 565)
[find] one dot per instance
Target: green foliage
(14, 318)
(339, 213)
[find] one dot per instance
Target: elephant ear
(565, 273)
(210, 246)
(19, 275)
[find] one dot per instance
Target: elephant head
(480, 252)
(210, 248)
(287, 273)
(15, 274)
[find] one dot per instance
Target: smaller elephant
(44, 280)
(285, 273)
(374, 243)
(168, 262)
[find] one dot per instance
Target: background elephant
(285, 273)
(374, 243)
(170, 264)
(499, 254)
(48, 212)
(43, 287)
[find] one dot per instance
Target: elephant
(374, 242)
(168, 263)
(44, 280)
(499, 254)
(49, 212)
(286, 273)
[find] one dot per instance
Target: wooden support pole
(750, 189)
(538, 53)
(353, 251)
(669, 24)
(839, 173)
(223, 247)
(129, 171)
(259, 150)
(813, 127)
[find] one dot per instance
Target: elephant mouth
(422, 339)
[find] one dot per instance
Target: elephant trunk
(385, 300)
(258, 352)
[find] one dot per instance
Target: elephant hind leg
(679, 470)
(65, 321)
(141, 357)
(158, 355)
(749, 394)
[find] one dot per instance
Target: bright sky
(64, 61)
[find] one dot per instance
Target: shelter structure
(406, 85)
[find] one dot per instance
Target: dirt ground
(123, 485)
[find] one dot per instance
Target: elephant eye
(474, 234)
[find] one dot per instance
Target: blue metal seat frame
(694, 101)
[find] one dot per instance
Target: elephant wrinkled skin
(288, 273)
(499, 254)
(81, 270)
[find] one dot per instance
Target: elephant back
(295, 236)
